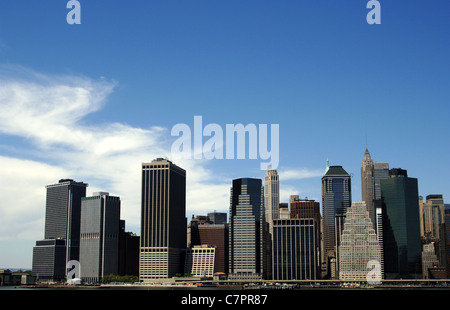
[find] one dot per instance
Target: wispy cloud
(48, 112)
(299, 173)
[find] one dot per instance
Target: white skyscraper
(359, 244)
(271, 197)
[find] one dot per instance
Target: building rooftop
(336, 170)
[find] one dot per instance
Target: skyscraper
(100, 230)
(371, 174)
(336, 199)
(163, 220)
(62, 229)
(63, 214)
(247, 230)
(296, 249)
(367, 183)
(401, 227)
(272, 212)
(431, 216)
(271, 197)
(359, 244)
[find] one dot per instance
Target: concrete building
(200, 261)
(61, 242)
(246, 230)
(296, 254)
(202, 231)
(163, 220)
(431, 216)
(100, 231)
(359, 244)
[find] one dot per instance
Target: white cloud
(298, 174)
(49, 112)
(22, 188)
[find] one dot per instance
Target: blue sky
(93, 101)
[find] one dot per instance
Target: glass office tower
(401, 227)
(336, 199)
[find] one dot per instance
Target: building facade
(163, 220)
(204, 232)
(431, 216)
(368, 183)
(336, 199)
(271, 197)
(246, 230)
(296, 254)
(99, 238)
(200, 261)
(62, 230)
(359, 245)
(401, 226)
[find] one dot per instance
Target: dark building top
(398, 172)
(336, 170)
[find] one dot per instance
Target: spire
(328, 166)
(367, 154)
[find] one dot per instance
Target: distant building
(128, 252)
(202, 231)
(217, 217)
(429, 259)
(284, 211)
(368, 184)
(100, 230)
(305, 208)
(359, 244)
(200, 261)
(271, 196)
(401, 226)
(371, 175)
(246, 230)
(49, 260)
(336, 199)
(10, 278)
(431, 216)
(444, 246)
(61, 242)
(296, 249)
(163, 220)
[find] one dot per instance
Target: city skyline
(91, 102)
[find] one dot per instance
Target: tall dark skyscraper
(336, 199)
(62, 229)
(163, 220)
(63, 214)
(247, 230)
(296, 249)
(401, 226)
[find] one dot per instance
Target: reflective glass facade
(336, 199)
(401, 226)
